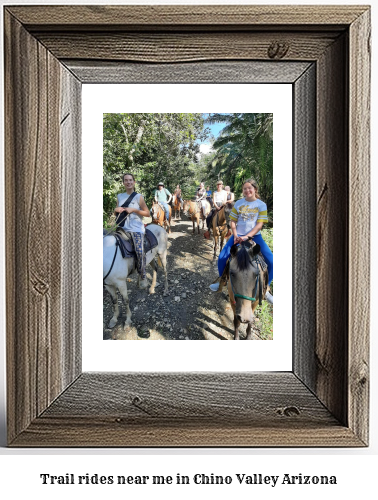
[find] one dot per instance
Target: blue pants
(265, 250)
(166, 209)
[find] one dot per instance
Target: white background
(99, 355)
(355, 468)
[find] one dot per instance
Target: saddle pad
(127, 247)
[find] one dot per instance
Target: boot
(269, 297)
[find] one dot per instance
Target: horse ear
(255, 249)
(233, 250)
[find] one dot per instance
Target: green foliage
(264, 313)
(244, 149)
(267, 234)
(154, 147)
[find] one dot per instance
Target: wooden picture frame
(324, 51)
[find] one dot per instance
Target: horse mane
(242, 258)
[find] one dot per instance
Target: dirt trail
(191, 311)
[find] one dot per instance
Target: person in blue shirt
(247, 218)
(209, 197)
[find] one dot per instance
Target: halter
(160, 209)
(258, 280)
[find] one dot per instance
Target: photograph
(167, 274)
(188, 226)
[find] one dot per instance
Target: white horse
(123, 267)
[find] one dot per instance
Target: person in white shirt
(133, 223)
(219, 200)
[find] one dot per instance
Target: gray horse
(247, 283)
(123, 267)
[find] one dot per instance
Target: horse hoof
(143, 284)
(112, 323)
(151, 291)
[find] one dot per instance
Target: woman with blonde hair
(247, 218)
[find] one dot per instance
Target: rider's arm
(118, 209)
(144, 212)
(233, 229)
(254, 231)
(224, 198)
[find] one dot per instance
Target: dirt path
(191, 311)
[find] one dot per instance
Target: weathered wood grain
(184, 16)
(71, 192)
(322, 403)
(200, 72)
(36, 357)
(187, 410)
(304, 227)
(97, 432)
(181, 47)
(359, 226)
(331, 347)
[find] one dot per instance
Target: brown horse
(158, 216)
(193, 209)
(219, 228)
(247, 284)
(176, 205)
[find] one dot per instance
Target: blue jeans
(166, 209)
(265, 250)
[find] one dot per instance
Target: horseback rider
(230, 196)
(219, 200)
(201, 198)
(178, 194)
(247, 218)
(163, 197)
(132, 222)
(209, 197)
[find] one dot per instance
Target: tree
(244, 149)
(154, 147)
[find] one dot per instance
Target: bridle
(258, 282)
(157, 215)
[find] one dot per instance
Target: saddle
(125, 242)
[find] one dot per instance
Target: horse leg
(236, 327)
(194, 225)
(249, 331)
(198, 228)
(153, 284)
(123, 291)
(215, 245)
(163, 260)
(113, 292)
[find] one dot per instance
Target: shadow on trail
(190, 311)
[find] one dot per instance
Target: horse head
(155, 211)
(227, 210)
(186, 207)
(244, 279)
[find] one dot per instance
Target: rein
(158, 215)
(257, 282)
